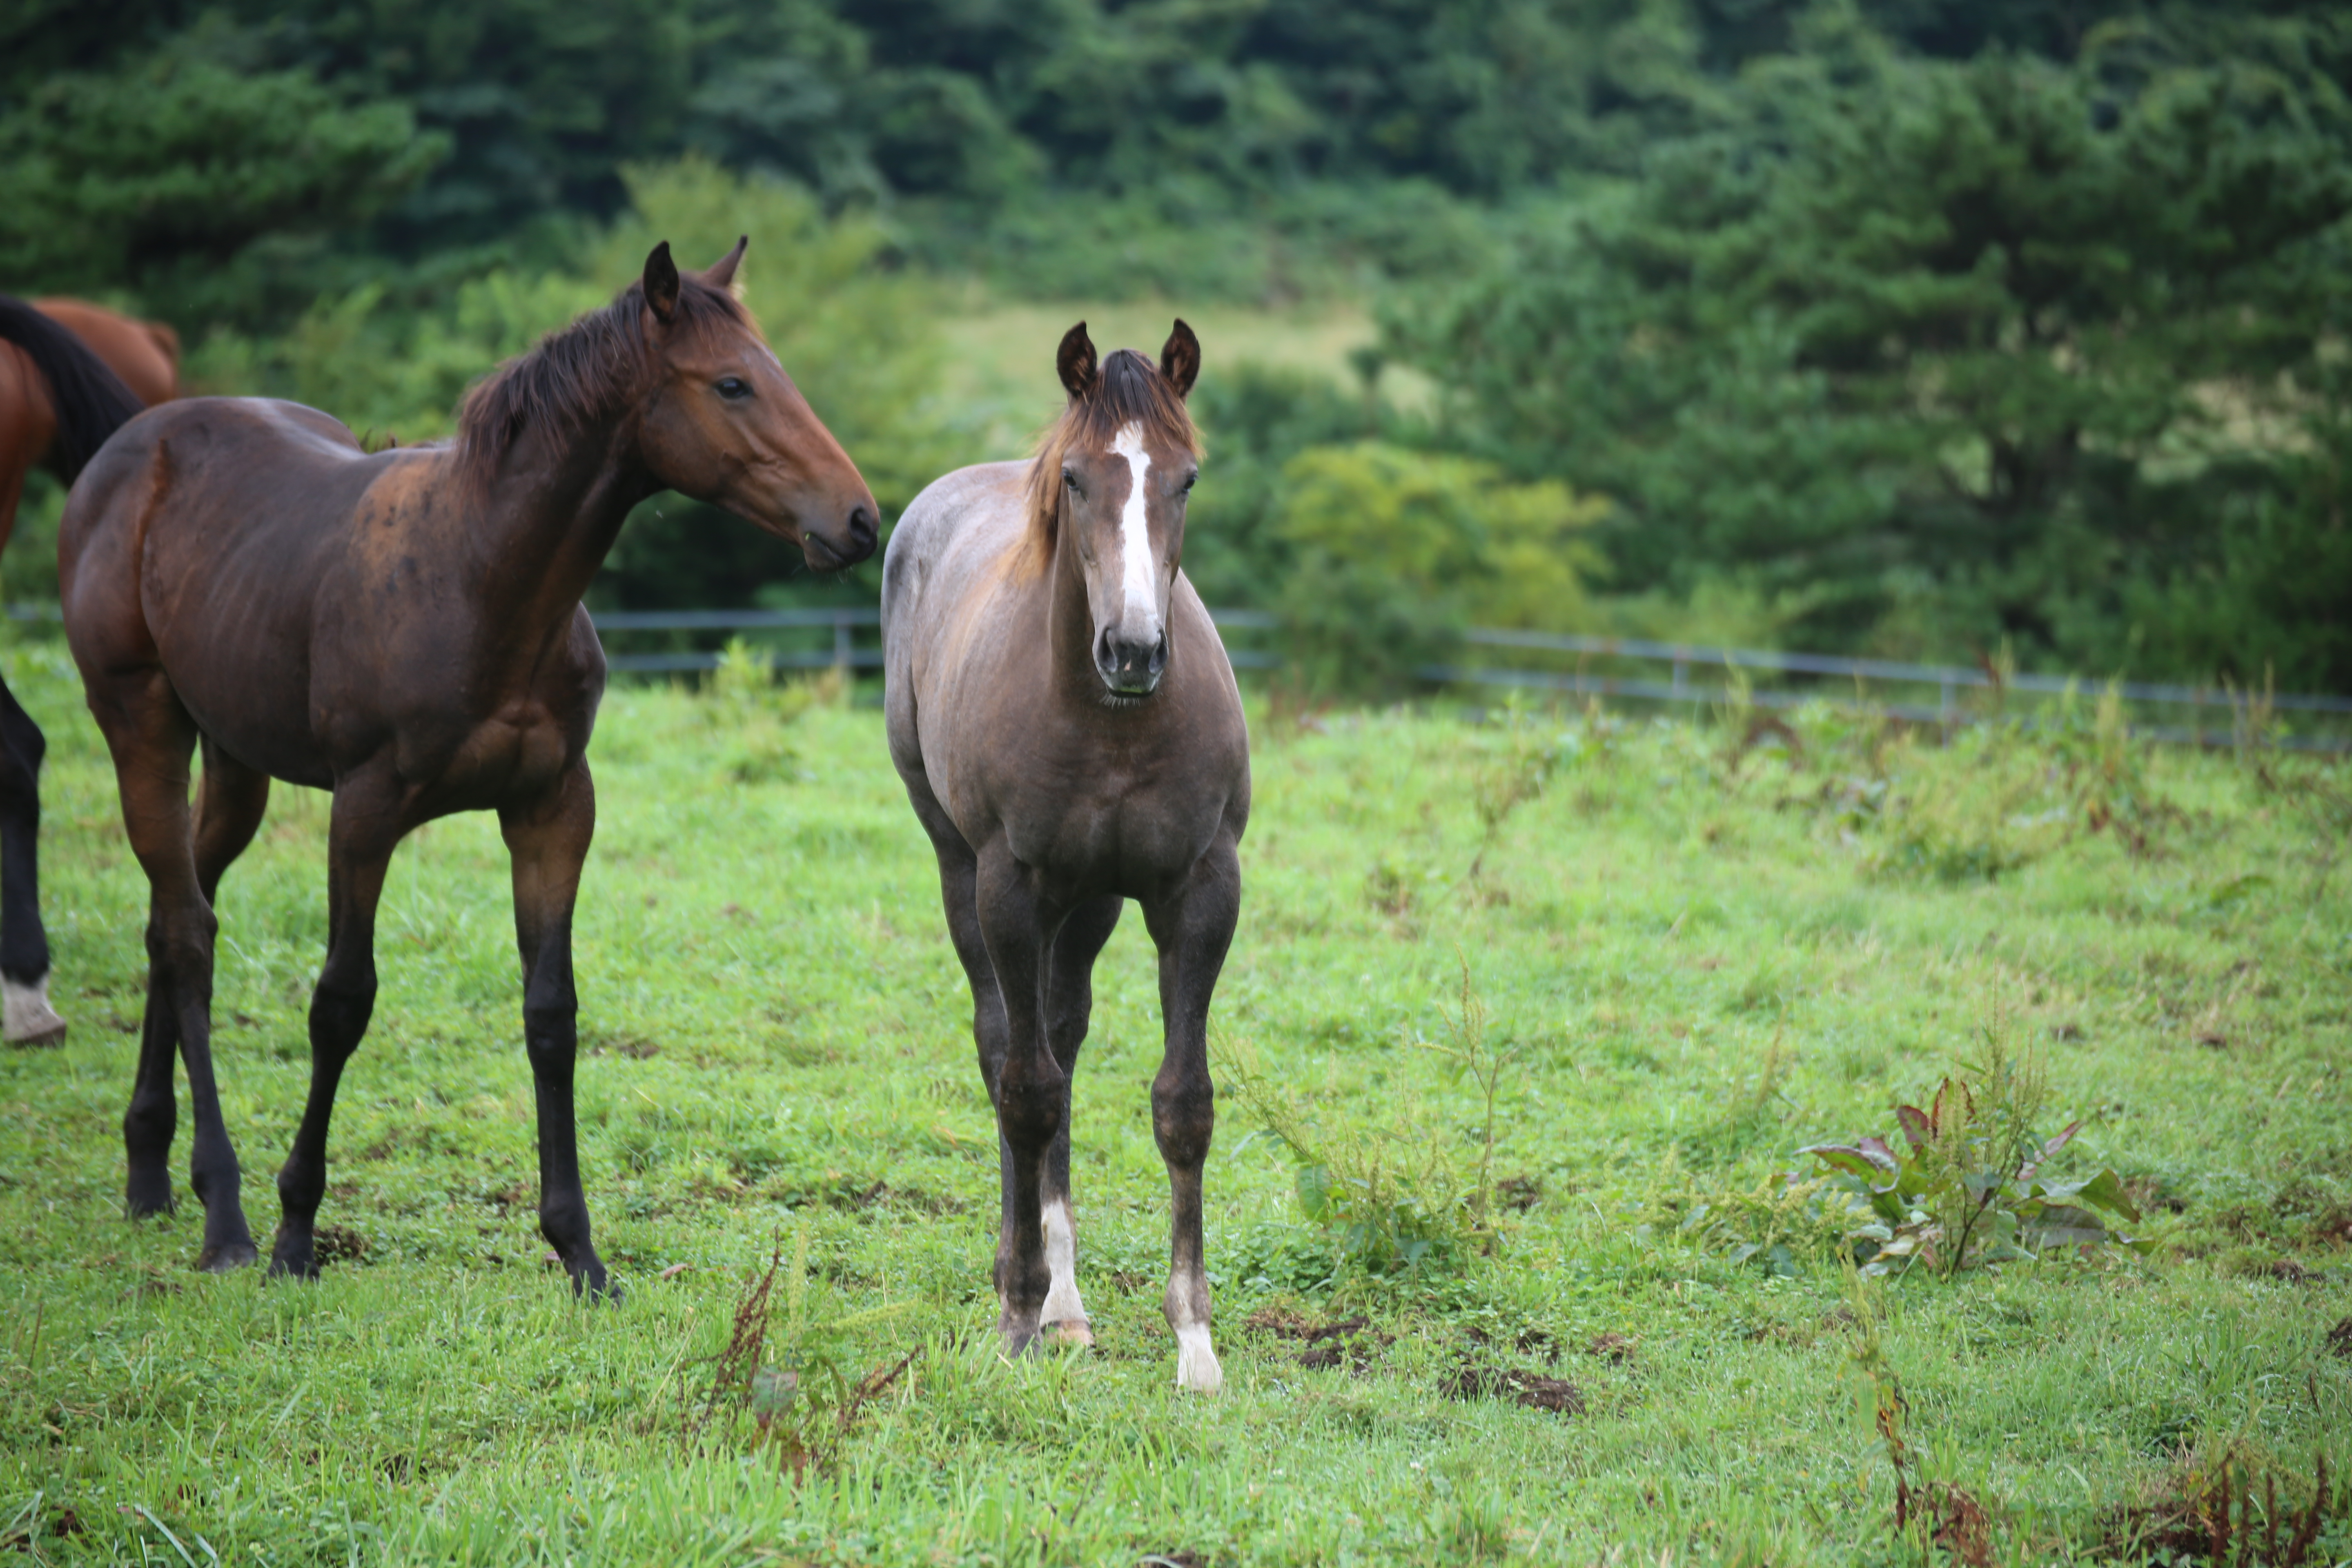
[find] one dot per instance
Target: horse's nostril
(862, 530)
(1160, 654)
(1106, 655)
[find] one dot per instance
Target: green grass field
(1693, 962)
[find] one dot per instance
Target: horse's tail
(89, 400)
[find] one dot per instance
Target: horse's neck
(549, 520)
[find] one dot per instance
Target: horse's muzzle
(1130, 669)
(853, 542)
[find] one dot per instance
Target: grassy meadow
(999, 359)
(1687, 960)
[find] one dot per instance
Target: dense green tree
(1951, 350)
(192, 180)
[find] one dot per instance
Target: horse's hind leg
(25, 1016)
(1192, 929)
(153, 738)
(1069, 1005)
(231, 800)
(548, 839)
(360, 833)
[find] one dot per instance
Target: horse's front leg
(548, 838)
(1032, 1092)
(1192, 929)
(1069, 1007)
(25, 1016)
(361, 832)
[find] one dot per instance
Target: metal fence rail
(848, 650)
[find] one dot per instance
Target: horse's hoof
(597, 1287)
(1196, 1361)
(25, 1016)
(291, 1259)
(1068, 1332)
(145, 1200)
(228, 1255)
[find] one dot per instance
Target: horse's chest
(1131, 834)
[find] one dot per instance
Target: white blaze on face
(1139, 609)
(1062, 1303)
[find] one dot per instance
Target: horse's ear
(1179, 358)
(1075, 360)
(661, 283)
(723, 271)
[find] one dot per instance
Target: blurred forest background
(1920, 328)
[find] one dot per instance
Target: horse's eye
(1070, 479)
(734, 388)
(1186, 488)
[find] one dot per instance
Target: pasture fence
(847, 636)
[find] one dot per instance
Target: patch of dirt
(1615, 1348)
(2340, 1339)
(337, 1243)
(513, 1196)
(1471, 1380)
(2287, 1271)
(61, 1522)
(1348, 1343)
(1519, 1194)
(2336, 1230)
(1181, 1557)
(1539, 1342)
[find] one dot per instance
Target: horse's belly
(253, 709)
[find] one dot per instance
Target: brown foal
(1069, 730)
(404, 630)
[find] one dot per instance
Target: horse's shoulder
(959, 520)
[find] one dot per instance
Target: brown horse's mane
(1129, 390)
(573, 377)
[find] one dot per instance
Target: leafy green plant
(1967, 1191)
(1386, 1200)
(787, 1384)
(1775, 1225)
(1469, 1051)
(1396, 1198)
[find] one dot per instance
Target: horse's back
(203, 464)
